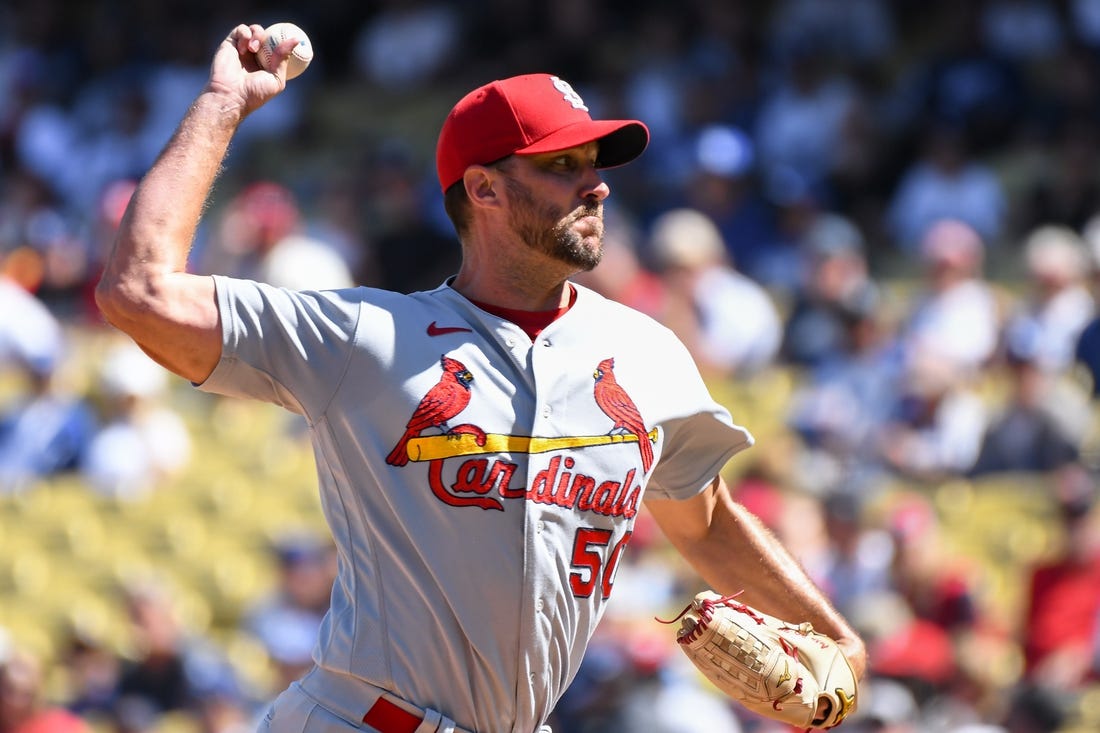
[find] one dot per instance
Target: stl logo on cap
(569, 93)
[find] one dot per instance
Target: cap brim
(621, 141)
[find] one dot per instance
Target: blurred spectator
(1021, 30)
(287, 621)
(261, 237)
(91, 675)
(44, 430)
(937, 424)
(955, 312)
(656, 89)
(23, 707)
(966, 85)
(408, 251)
(141, 440)
(1063, 188)
(97, 237)
(842, 401)
(1086, 352)
(801, 129)
(669, 698)
(60, 261)
(835, 281)
(857, 562)
(888, 706)
(171, 668)
(157, 674)
(407, 43)
(1034, 708)
(722, 182)
(938, 585)
(728, 321)
(629, 683)
(1049, 318)
(1040, 424)
(1085, 21)
(1059, 629)
(855, 31)
(945, 182)
(30, 335)
(905, 648)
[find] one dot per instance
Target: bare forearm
(774, 581)
(746, 556)
(145, 290)
(733, 552)
(157, 231)
(156, 234)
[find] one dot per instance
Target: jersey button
(546, 342)
(511, 341)
(546, 411)
(538, 605)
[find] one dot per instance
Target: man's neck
(512, 291)
(532, 322)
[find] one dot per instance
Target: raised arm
(145, 290)
(733, 552)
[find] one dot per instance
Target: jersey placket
(542, 544)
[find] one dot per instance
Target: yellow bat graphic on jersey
(469, 443)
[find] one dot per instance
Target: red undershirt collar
(532, 322)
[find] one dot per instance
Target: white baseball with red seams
(299, 58)
(480, 492)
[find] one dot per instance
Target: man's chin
(584, 259)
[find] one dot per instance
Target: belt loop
(431, 722)
(446, 725)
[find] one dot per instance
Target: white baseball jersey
(480, 488)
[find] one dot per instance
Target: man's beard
(544, 228)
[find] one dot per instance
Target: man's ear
(481, 186)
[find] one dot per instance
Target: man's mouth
(590, 224)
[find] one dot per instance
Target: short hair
(457, 205)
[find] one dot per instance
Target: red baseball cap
(533, 113)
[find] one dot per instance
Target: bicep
(685, 522)
(173, 318)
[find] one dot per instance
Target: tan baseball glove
(787, 672)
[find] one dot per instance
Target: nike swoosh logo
(436, 330)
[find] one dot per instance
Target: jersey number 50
(589, 548)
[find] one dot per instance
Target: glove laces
(705, 609)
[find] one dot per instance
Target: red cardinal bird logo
(618, 406)
(447, 398)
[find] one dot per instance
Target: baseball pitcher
(482, 448)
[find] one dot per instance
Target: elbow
(107, 300)
(122, 303)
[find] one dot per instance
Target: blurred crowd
(886, 216)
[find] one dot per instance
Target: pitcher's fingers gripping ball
(787, 672)
(299, 58)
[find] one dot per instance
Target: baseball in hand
(299, 58)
